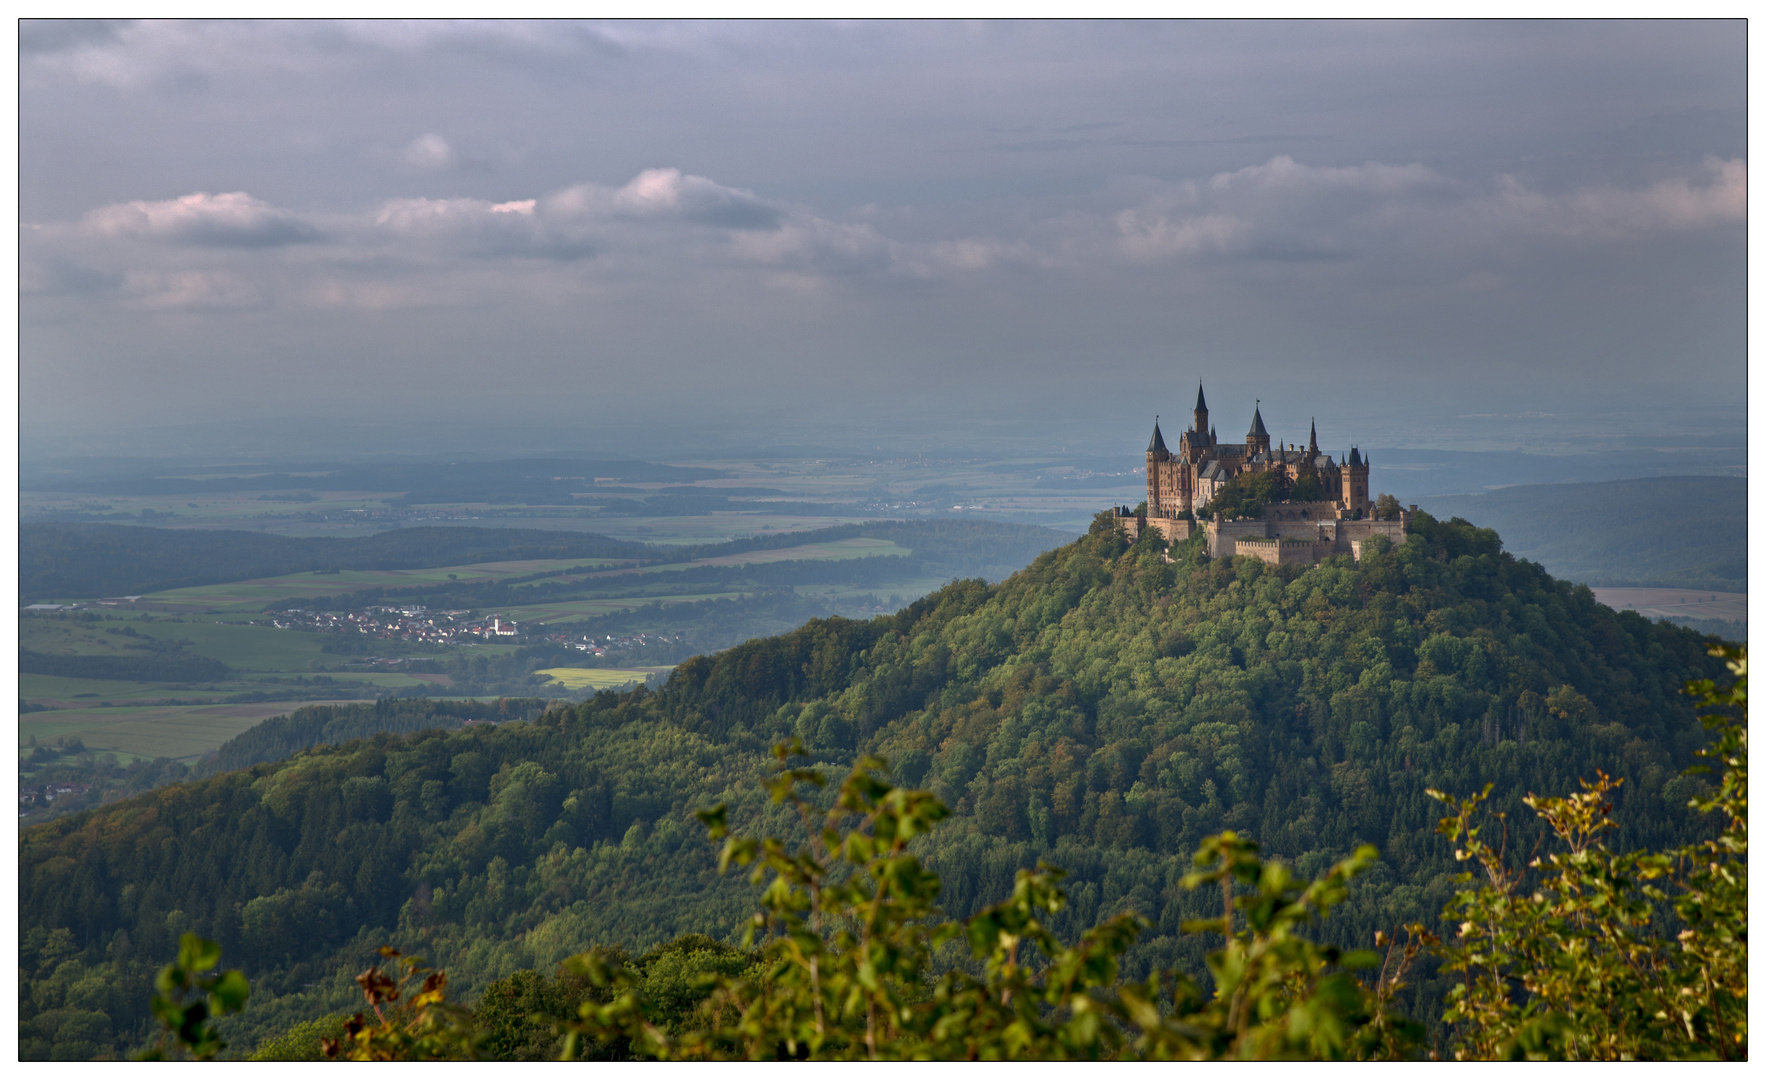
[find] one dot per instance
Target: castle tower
(1258, 437)
(1201, 412)
(1312, 441)
(1158, 464)
(1355, 471)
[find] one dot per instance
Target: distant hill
(1674, 532)
(76, 560)
(58, 559)
(513, 480)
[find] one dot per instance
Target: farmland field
(701, 529)
(598, 678)
(178, 731)
(61, 690)
(246, 648)
(1677, 603)
(857, 547)
(254, 595)
(568, 610)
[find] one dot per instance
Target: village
(29, 797)
(422, 626)
(415, 624)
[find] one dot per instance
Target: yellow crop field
(582, 678)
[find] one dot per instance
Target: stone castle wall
(1174, 530)
(1282, 537)
(1223, 536)
(1277, 551)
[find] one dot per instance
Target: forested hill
(82, 560)
(1102, 709)
(1682, 532)
(284, 736)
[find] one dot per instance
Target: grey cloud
(1289, 211)
(666, 192)
(1279, 212)
(1718, 198)
(60, 276)
(231, 219)
(192, 290)
(430, 152)
(41, 36)
(482, 229)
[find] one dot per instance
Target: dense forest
(1104, 709)
(317, 725)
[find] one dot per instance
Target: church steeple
(1312, 440)
(1201, 411)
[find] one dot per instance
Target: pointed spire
(1258, 431)
(1157, 446)
(1355, 457)
(1201, 402)
(1312, 440)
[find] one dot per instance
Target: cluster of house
(48, 793)
(401, 623)
(599, 645)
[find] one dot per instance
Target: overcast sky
(674, 219)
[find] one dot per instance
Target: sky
(644, 233)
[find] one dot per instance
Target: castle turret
(1354, 498)
(1158, 465)
(1258, 437)
(1201, 411)
(1312, 440)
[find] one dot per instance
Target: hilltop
(1103, 709)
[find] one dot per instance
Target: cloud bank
(220, 250)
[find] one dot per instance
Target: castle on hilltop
(1182, 483)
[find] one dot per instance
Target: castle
(1181, 483)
